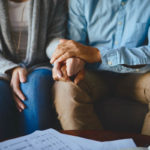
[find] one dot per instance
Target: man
(110, 36)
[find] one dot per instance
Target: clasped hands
(69, 60)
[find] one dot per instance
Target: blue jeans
(38, 114)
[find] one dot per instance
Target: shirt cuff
(51, 47)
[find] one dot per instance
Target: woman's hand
(18, 76)
(69, 48)
(59, 72)
(74, 66)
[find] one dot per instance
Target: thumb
(23, 75)
(62, 41)
(79, 77)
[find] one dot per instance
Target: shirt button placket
(120, 25)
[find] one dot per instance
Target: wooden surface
(140, 140)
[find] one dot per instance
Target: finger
(58, 52)
(23, 75)
(65, 76)
(20, 109)
(54, 74)
(62, 41)
(79, 77)
(65, 56)
(18, 92)
(20, 106)
(15, 84)
(57, 68)
(70, 67)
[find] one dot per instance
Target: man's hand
(18, 76)
(69, 48)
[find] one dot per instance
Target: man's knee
(68, 92)
(68, 98)
(73, 106)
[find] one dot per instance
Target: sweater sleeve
(6, 65)
(58, 26)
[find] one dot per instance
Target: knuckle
(70, 74)
(58, 47)
(71, 42)
(70, 54)
(54, 76)
(18, 92)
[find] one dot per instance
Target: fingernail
(23, 99)
(23, 80)
(20, 110)
(59, 75)
(22, 107)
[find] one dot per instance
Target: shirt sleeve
(51, 47)
(77, 27)
(128, 56)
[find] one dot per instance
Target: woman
(28, 28)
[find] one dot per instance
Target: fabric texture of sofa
(121, 115)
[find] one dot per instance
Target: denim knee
(39, 83)
(38, 114)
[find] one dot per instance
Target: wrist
(94, 55)
(10, 71)
(98, 55)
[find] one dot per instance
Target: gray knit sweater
(47, 21)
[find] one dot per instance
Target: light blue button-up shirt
(120, 29)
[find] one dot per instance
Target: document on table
(53, 140)
(138, 148)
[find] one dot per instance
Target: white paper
(138, 148)
(52, 140)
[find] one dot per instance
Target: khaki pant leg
(74, 103)
(137, 86)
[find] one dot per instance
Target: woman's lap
(37, 93)
(7, 111)
(38, 113)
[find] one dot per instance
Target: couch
(121, 114)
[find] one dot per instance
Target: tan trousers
(74, 103)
